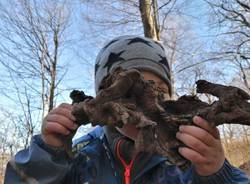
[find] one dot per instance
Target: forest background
(48, 48)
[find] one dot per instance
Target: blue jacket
(95, 164)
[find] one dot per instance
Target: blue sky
(195, 14)
(85, 43)
(80, 56)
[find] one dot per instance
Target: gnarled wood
(128, 98)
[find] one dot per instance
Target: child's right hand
(57, 125)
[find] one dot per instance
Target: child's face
(130, 130)
(158, 81)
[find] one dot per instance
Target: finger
(206, 126)
(192, 155)
(198, 133)
(63, 120)
(64, 112)
(54, 127)
(193, 142)
(66, 106)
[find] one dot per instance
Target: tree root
(126, 97)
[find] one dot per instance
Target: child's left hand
(204, 148)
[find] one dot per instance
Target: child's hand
(57, 125)
(204, 148)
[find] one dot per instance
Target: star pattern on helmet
(163, 61)
(140, 40)
(110, 43)
(160, 45)
(113, 57)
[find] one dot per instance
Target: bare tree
(12, 136)
(33, 36)
(232, 17)
(32, 39)
(161, 20)
(146, 17)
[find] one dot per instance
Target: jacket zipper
(127, 167)
(127, 174)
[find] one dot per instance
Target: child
(106, 155)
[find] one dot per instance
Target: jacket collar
(144, 163)
(154, 161)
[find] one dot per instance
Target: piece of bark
(125, 97)
(77, 97)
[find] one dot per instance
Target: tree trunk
(53, 70)
(149, 16)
